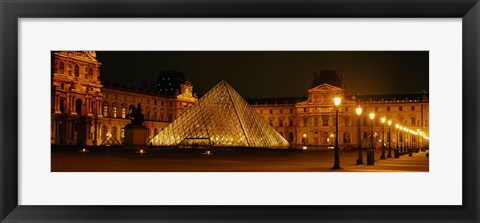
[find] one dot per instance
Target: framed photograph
(223, 111)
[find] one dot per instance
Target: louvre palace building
(86, 111)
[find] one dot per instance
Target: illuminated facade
(311, 120)
(84, 111)
(221, 118)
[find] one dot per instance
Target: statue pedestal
(135, 135)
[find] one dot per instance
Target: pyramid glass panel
(221, 118)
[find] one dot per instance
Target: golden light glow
(389, 122)
(358, 111)
(397, 126)
(383, 119)
(304, 135)
(372, 116)
(337, 101)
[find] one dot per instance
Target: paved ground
(227, 160)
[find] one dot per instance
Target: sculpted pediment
(325, 87)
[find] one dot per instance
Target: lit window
(105, 111)
(114, 111)
(124, 112)
(122, 133)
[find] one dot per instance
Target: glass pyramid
(221, 118)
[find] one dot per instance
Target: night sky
(267, 74)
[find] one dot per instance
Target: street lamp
(382, 119)
(389, 122)
(359, 147)
(304, 140)
(336, 164)
(371, 151)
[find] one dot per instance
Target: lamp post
(382, 119)
(396, 127)
(304, 140)
(359, 147)
(371, 151)
(336, 164)
(397, 154)
(389, 122)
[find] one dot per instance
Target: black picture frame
(11, 11)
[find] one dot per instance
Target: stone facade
(84, 111)
(311, 120)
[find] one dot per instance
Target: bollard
(396, 153)
(370, 157)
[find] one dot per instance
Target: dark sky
(262, 74)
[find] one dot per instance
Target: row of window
(162, 103)
(147, 115)
(346, 109)
(76, 71)
(280, 111)
(346, 122)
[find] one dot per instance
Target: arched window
(124, 111)
(280, 123)
(114, 131)
(76, 71)
(90, 73)
(62, 105)
(61, 68)
(105, 110)
(114, 111)
(122, 133)
(346, 137)
(78, 106)
(290, 136)
(325, 139)
(155, 132)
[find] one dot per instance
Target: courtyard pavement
(228, 160)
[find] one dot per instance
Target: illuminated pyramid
(221, 118)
